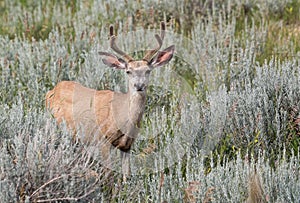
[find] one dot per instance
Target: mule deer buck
(108, 116)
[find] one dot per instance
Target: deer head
(138, 71)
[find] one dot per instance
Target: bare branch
(44, 185)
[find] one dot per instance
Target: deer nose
(140, 87)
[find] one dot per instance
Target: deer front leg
(106, 160)
(125, 158)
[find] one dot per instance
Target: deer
(112, 118)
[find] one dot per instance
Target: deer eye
(128, 72)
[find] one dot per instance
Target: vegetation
(227, 106)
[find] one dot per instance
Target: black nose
(139, 87)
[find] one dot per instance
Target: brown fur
(107, 116)
(90, 109)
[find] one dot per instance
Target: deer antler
(159, 39)
(115, 47)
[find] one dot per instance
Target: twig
(67, 198)
(44, 185)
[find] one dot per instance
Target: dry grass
(191, 191)
(255, 190)
(208, 195)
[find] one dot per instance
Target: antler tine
(162, 30)
(115, 47)
(150, 53)
(159, 39)
(111, 30)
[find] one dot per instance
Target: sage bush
(226, 107)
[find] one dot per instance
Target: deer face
(138, 73)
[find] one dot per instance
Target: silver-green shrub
(214, 115)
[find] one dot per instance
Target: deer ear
(112, 61)
(163, 57)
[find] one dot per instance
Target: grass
(281, 27)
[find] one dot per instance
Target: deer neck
(136, 103)
(127, 110)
